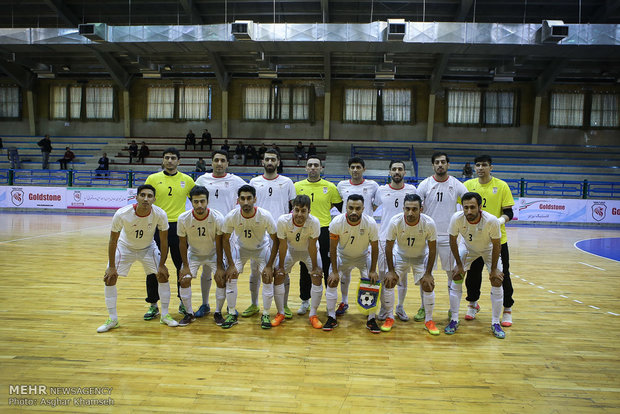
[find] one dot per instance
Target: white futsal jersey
(136, 231)
(274, 195)
(200, 234)
(392, 201)
(222, 191)
(353, 241)
(411, 240)
(297, 237)
(251, 232)
(367, 189)
(477, 235)
(440, 200)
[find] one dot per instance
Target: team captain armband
(333, 236)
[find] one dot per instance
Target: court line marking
(563, 296)
(52, 234)
(596, 267)
(593, 254)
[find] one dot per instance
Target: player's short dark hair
(171, 150)
(314, 157)
(355, 197)
(221, 152)
(483, 158)
(396, 162)
(146, 187)
(247, 189)
(198, 190)
(357, 160)
(470, 196)
(273, 152)
(413, 197)
(437, 155)
(302, 200)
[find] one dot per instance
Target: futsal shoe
(218, 318)
(451, 328)
(203, 310)
(230, 321)
(152, 313)
(342, 308)
(420, 316)
(288, 313)
(400, 313)
(330, 324)
(387, 325)
(372, 326)
(182, 309)
(431, 328)
(187, 319)
(315, 322)
(498, 331)
(278, 319)
(305, 305)
(507, 319)
(168, 320)
(472, 311)
(265, 322)
(251, 310)
(108, 325)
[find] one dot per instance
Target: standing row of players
(250, 233)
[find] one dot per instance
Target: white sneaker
(109, 324)
(167, 320)
(305, 305)
(507, 319)
(472, 311)
(400, 312)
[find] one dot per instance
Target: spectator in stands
(1, 146)
(275, 147)
(300, 152)
(133, 151)
(240, 152)
(13, 156)
(46, 149)
(190, 139)
(206, 140)
(201, 165)
(311, 150)
(225, 147)
(467, 171)
(66, 159)
(144, 152)
(250, 153)
(104, 164)
(261, 151)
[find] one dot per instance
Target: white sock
(220, 297)
(267, 297)
(508, 310)
(231, 295)
(371, 316)
(497, 303)
(110, 301)
(316, 292)
(449, 281)
(287, 287)
(428, 298)
(279, 297)
(205, 285)
(344, 288)
(254, 285)
(421, 297)
(388, 302)
(186, 297)
(456, 291)
(164, 297)
(331, 297)
(402, 291)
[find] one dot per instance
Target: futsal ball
(366, 299)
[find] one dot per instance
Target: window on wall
(481, 108)
(99, 102)
(605, 111)
(584, 110)
(10, 102)
(160, 102)
(178, 102)
(85, 102)
(378, 105)
(278, 103)
(396, 105)
(194, 102)
(360, 105)
(566, 109)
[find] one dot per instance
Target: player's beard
(270, 169)
(397, 179)
(353, 218)
(411, 220)
(471, 217)
(247, 209)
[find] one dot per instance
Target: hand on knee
(185, 281)
(110, 280)
(428, 285)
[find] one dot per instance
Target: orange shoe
(277, 320)
(431, 328)
(316, 323)
(387, 325)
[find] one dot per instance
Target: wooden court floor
(561, 355)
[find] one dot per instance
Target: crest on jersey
(324, 190)
(182, 184)
(368, 294)
(494, 190)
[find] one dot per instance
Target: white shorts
(346, 265)
(257, 258)
(296, 256)
(195, 261)
(448, 262)
(381, 261)
(467, 258)
(125, 257)
(416, 264)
